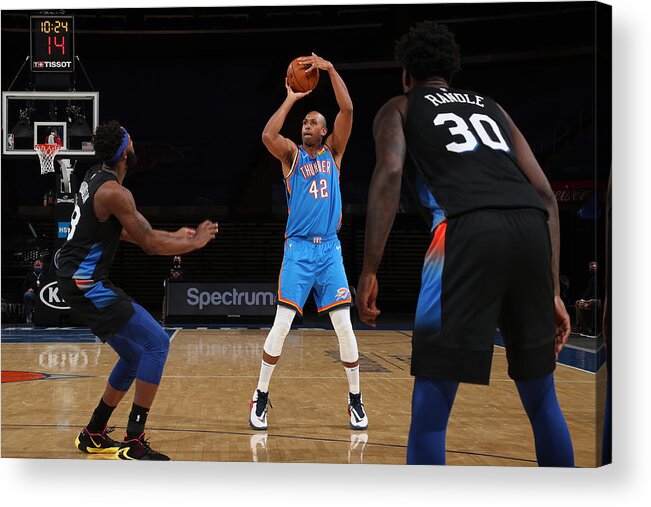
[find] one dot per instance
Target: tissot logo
(52, 65)
(50, 297)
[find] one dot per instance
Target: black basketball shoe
(138, 448)
(97, 443)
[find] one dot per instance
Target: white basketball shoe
(358, 418)
(258, 410)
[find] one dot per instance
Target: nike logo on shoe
(122, 453)
(356, 412)
(357, 419)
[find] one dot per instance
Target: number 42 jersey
(313, 195)
(461, 156)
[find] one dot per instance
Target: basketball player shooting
(312, 260)
(104, 213)
(494, 253)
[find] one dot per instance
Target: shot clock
(52, 43)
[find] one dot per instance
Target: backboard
(28, 117)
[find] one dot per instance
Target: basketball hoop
(46, 154)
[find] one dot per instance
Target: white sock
(265, 376)
(353, 379)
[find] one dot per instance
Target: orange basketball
(299, 79)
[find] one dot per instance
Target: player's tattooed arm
(383, 199)
(114, 199)
(384, 190)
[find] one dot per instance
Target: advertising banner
(206, 298)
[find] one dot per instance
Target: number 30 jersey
(460, 154)
(313, 195)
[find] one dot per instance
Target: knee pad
(131, 365)
(129, 351)
(165, 339)
(131, 355)
(154, 339)
(273, 345)
(123, 374)
(340, 318)
(144, 333)
(156, 348)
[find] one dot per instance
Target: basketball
(299, 79)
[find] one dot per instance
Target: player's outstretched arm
(183, 231)
(383, 200)
(532, 170)
(344, 120)
(114, 199)
(279, 146)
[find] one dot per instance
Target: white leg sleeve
(273, 345)
(340, 318)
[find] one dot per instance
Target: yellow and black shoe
(97, 443)
(138, 448)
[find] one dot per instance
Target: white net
(46, 154)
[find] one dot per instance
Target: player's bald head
(320, 118)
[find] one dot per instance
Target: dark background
(195, 87)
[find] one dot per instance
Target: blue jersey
(313, 195)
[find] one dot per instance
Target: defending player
(494, 254)
(104, 213)
(312, 260)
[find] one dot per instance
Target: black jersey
(85, 258)
(460, 154)
(90, 247)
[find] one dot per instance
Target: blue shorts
(313, 263)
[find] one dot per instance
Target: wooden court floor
(201, 410)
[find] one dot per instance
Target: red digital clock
(52, 43)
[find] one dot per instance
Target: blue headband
(123, 146)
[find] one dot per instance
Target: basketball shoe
(138, 448)
(358, 419)
(97, 443)
(258, 410)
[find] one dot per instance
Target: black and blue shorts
(484, 270)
